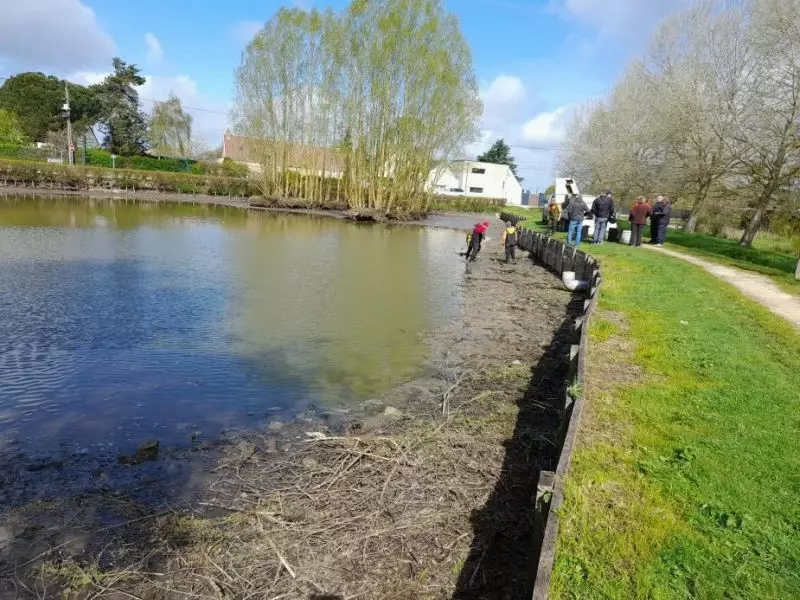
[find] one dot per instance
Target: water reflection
(125, 320)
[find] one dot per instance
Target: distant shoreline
(448, 220)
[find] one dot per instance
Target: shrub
(102, 158)
(16, 172)
(22, 151)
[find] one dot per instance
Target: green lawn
(779, 266)
(686, 479)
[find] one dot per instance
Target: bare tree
(712, 109)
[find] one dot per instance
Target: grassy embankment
(761, 258)
(533, 217)
(686, 476)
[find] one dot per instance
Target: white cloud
(547, 128)
(503, 91)
(632, 18)
(244, 31)
(154, 50)
(510, 112)
(209, 118)
(61, 35)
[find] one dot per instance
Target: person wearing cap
(509, 241)
(603, 210)
(475, 239)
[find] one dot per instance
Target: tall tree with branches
(124, 123)
(357, 105)
(170, 128)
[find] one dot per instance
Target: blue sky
(536, 60)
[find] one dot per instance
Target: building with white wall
(476, 180)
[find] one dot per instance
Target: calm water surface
(122, 321)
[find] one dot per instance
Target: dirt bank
(429, 500)
(451, 220)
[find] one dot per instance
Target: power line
(523, 147)
(207, 110)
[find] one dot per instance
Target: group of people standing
(660, 215)
(569, 217)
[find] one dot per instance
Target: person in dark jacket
(639, 213)
(659, 221)
(576, 212)
(603, 209)
(509, 240)
(476, 239)
(564, 220)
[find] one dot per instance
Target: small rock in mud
(516, 363)
(45, 464)
(146, 452)
(393, 413)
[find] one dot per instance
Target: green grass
(777, 265)
(533, 217)
(686, 478)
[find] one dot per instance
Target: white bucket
(625, 237)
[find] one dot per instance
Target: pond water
(123, 321)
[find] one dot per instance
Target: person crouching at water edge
(475, 239)
(509, 240)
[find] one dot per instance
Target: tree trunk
(691, 224)
(702, 193)
(752, 227)
(797, 270)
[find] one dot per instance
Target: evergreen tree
(125, 125)
(10, 130)
(37, 99)
(500, 154)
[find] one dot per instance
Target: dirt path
(756, 287)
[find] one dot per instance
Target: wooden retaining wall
(558, 258)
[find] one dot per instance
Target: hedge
(102, 158)
(467, 203)
(24, 152)
(80, 178)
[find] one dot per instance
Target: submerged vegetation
(359, 104)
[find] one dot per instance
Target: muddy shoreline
(450, 220)
(412, 473)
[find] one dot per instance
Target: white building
(476, 180)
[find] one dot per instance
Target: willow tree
(170, 128)
(357, 104)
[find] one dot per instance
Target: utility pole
(70, 147)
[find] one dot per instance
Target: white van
(566, 186)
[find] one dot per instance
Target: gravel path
(753, 285)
